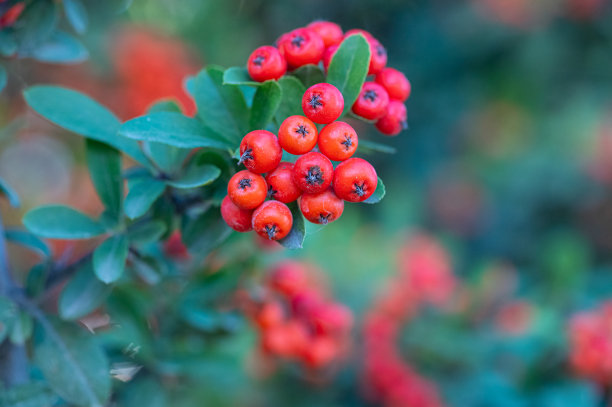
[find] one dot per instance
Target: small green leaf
(148, 232)
(10, 193)
(36, 279)
(61, 222)
(221, 107)
(367, 146)
(82, 295)
(27, 239)
(204, 233)
(60, 48)
(143, 192)
(265, 104)
(196, 175)
(378, 195)
(238, 76)
(109, 258)
(105, 170)
(291, 102)
(173, 129)
(8, 315)
(76, 14)
(148, 269)
(295, 238)
(36, 24)
(309, 75)
(22, 329)
(33, 394)
(349, 67)
(80, 114)
(3, 78)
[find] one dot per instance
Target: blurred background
(502, 183)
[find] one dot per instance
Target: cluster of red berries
(296, 320)
(590, 337)
(381, 100)
(425, 275)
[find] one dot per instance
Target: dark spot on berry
(370, 95)
(324, 219)
(271, 192)
(244, 183)
(271, 230)
(302, 130)
(380, 51)
(359, 190)
(259, 60)
(314, 176)
(315, 101)
(348, 142)
(247, 155)
(297, 41)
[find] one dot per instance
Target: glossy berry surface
(280, 184)
(297, 135)
(330, 33)
(272, 220)
(354, 31)
(266, 63)
(247, 190)
(260, 151)
(313, 172)
(378, 58)
(328, 55)
(372, 102)
(355, 180)
(395, 83)
(321, 208)
(338, 141)
(236, 218)
(302, 46)
(322, 103)
(394, 120)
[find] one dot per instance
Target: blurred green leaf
(10, 193)
(109, 258)
(295, 238)
(27, 239)
(36, 279)
(167, 157)
(92, 121)
(378, 195)
(61, 222)
(367, 146)
(60, 48)
(291, 102)
(83, 294)
(205, 232)
(266, 101)
(143, 192)
(349, 67)
(3, 78)
(104, 164)
(148, 268)
(309, 75)
(73, 364)
(8, 46)
(147, 232)
(196, 175)
(35, 394)
(238, 76)
(8, 314)
(147, 392)
(21, 329)
(36, 24)
(76, 14)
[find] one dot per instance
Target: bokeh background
(507, 165)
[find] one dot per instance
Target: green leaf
(143, 192)
(36, 279)
(196, 175)
(291, 102)
(221, 107)
(35, 394)
(83, 294)
(8, 315)
(295, 238)
(166, 105)
(22, 328)
(3, 78)
(148, 269)
(173, 129)
(148, 232)
(204, 233)
(36, 24)
(10, 193)
(8, 46)
(367, 146)
(104, 164)
(378, 195)
(238, 76)
(60, 48)
(109, 258)
(265, 104)
(73, 364)
(349, 67)
(27, 239)
(80, 114)
(76, 14)
(61, 222)
(309, 75)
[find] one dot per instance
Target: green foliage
(105, 170)
(61, 222)
(238, 76)
(76, 14)
(60, 48)
(295, 238)
(291, 103)
(378, 195)
(109, 258)
(29, 240)
(83, 294)
(266, 102)
(143, 192)
(10, 193)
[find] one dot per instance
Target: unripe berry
(272, 219)
(297, 135)
(313, 172)
(260, 151)
(355, 180)
(395, 83)
(236, 218)
(372, 102)
(322, 103)
(280, 184)
(266, 63)
(394, 120)
(247, 190)
(321, 208)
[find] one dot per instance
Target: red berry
(372, 102)
(320, 352)
(395, 82)
(175, 248)
(353, 31)
(280, 184)
(378, 58)
(331, 319)
(247, 190)
(288, 277)
(260, 151)
(270, 314)
(297, 135)
(338, 141)
(330, 33)
(301, 47)
(273, 220)
(266, 63)
(322, 103)
(394, 121)
(313, 172)
(236, 218)
(328, 55)
(355, 180)
(321, 208)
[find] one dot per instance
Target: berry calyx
(247, 190)
(372, 102)
(395, 83)
(322, 208)
(301, 47)
(272, 220)
(355, 180)
(338, 141)
(330, 33)
(266, 63)
(280, 184)
(238, 219)
(322, 103)
(394, 120)
(313, 172)
(297, 135)
(260, 151)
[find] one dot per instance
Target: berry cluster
(590, 337)
(424, 276)
(297, 321)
